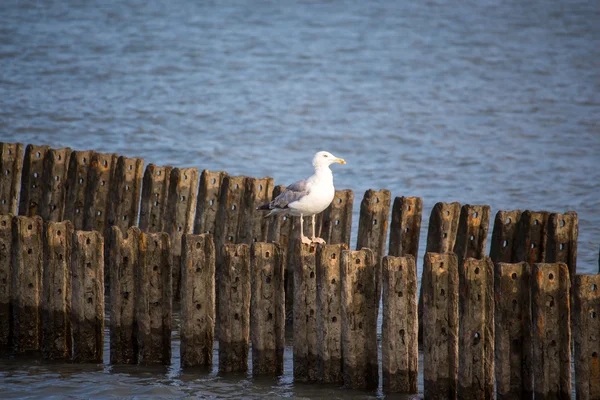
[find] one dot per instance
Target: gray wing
(292, 193)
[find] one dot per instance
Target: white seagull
(307, 197)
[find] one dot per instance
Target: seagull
(307, 197)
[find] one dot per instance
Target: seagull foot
(318, 240)
(306, 240)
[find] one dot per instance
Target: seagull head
(325, 158)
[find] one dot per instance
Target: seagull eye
(325, 155)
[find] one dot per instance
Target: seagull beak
(340, 160)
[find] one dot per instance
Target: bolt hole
(442, 292)
(504, 244)
(198, 269)
(30, 227)
(334, 319)
(535, 222)
(594, 287)
(236, 316)
(475, 214)
(447, 213)
(441, 265)
(236, 186)
(405, 229)
(268, 279)
(400, 294)
(472, 238)
(508, 221)
(211, 202)
(126, 188)
(358, 260)
(213, 181)
(233, 207)
(360, 325)
(35, 174)
(476, 270)
(30, 286)
(267, 254)
(88, 241)
(562, 222)
(312, 274)
(561, 247)
(339, 201)
(533, 245)
(29, 251)
(337, 221)
(333, 256)
(551, 276)
(59, 291)
(198, 306)
(593, 314)
(595, 354)
(444, 235)
(513, 275)
(333, 281)
(155, 268)
(374, 222)
(88, 265)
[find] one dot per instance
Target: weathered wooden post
(97, 196)
(532, 237)
(253, 227)
(6, 240)
(124, 266)
(406, 227)
(329, 313)
(155, 189)
(360, 306)
(336, 225)
(124, 196)
(56, 304)
(208, 201)
(476, 331)
(154, 298)
(54, 184)
(504, 236)
(234, 309)
(228, 214)
(197, 328)
(471, 235)
(26, 286)
(181, 204)
(77, 181)
(440, 325)
(31, 180)
(561, 245)
(512, 319)
(267, 309)
(11, 164)
(551, 331)
(399, 333)
(87, 317)
(586, 293)
(305, 310)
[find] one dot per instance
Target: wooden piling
(124, 266)
(31, 180)
(77, 181)
(234, 309)
(267, 309)
(360, 306)
(561, 246)
(54, 184)
(6, 239)
(181, 205)
(405, 229)
(124, 197)
(97, 196)
(399, 332)
(504, 236)
(476, 332)
(551, 331)
(56, 305)
(228, 214)
(197, 326)
(440, 325)
(336, 226)
(329, 313)
(87, 317)
(11, 164)
(532, 237)
(208, 201)
(253, 227)
(26, 286)
(305, 310)
(155, 189)
(154, 298)
(512, 319)
(586, 293)
(471, 235)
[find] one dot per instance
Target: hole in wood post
(29, 251)
(593, 314)
(89, 265)
(447, 213)
(513, 275)
(185, 177)
(408, 208)
(374, 222)
(233, 207)
(268, 280)
(401, 332)
(476, 338)
(269, 317)
(562, 222)
(594, 287)
(29, 227)
(360, 325)
(80, 180)
(230, 238)
(57, 233)
(35, 174)
(339, 201)
(333, 319)
(312, 312)
(561, 247)
(237, 278)
(9, 151)
(267, 254)
(198, 306)
(444, 235)
(53, 207)
(236, 186)
(3, 223)
(213, 181)
(99, 213)
(442, 292)
(333, 256)
(126, 188)
(406, 229)
(60, 257)
(130, 167)
(102, 183)
(551, 276)
(105, 163)
(34, 186)
(551, 304)
(83, 160)
(400, 294)
(312, 274)
(125, 260)
(260, 188)
(472, 238)
(504, 244)
(3, 201)
(508, 221)
(59, 291)
(7, 172)
(87, 241)
(337, 221)
(595, 354)
(156, 203)
(553, 343)
(476, 270)
(59, 157)
(475, 214)
(359, 287)
(178, 229)
(38, 154)
(376, 199)
(158, 173)
(236, 316)
(182, 198)
(77, 211)
(443, 331)
(155, 268)
(358, 260)
(441, 265)
(198, 245)
(30, 286)
(211, 202)
(333, 281)
(533, 245)
(285, 217)
(535, 222)
(90, 300)
(198, 269)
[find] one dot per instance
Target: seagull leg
(302, 237)
(314, 236)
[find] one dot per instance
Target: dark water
(480, 102)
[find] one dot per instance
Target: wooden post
(155, 189)
(561, 246)
(124, 198)
(476, 332)
(124, 266)
(31, 180)
(551, 331)
(360, 306)
(87, 318)
(54, 184)
(406, 226)
(329, 313)
(440, 325)
(154, 298)
(399, 333)
(197, 329)
(514, 363)
(11, 164)
(6, 239)
(228, 214)
(586, 292)
(208, 201)
(267, 309)
(504, 236)
(26, 287)
(336, 225)
(56, 305)
(97, 196)
(532, 236)
(471, 235)
(234, 309)
(253, 226)
(77, 181)
(305, 310)
(181, 204)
